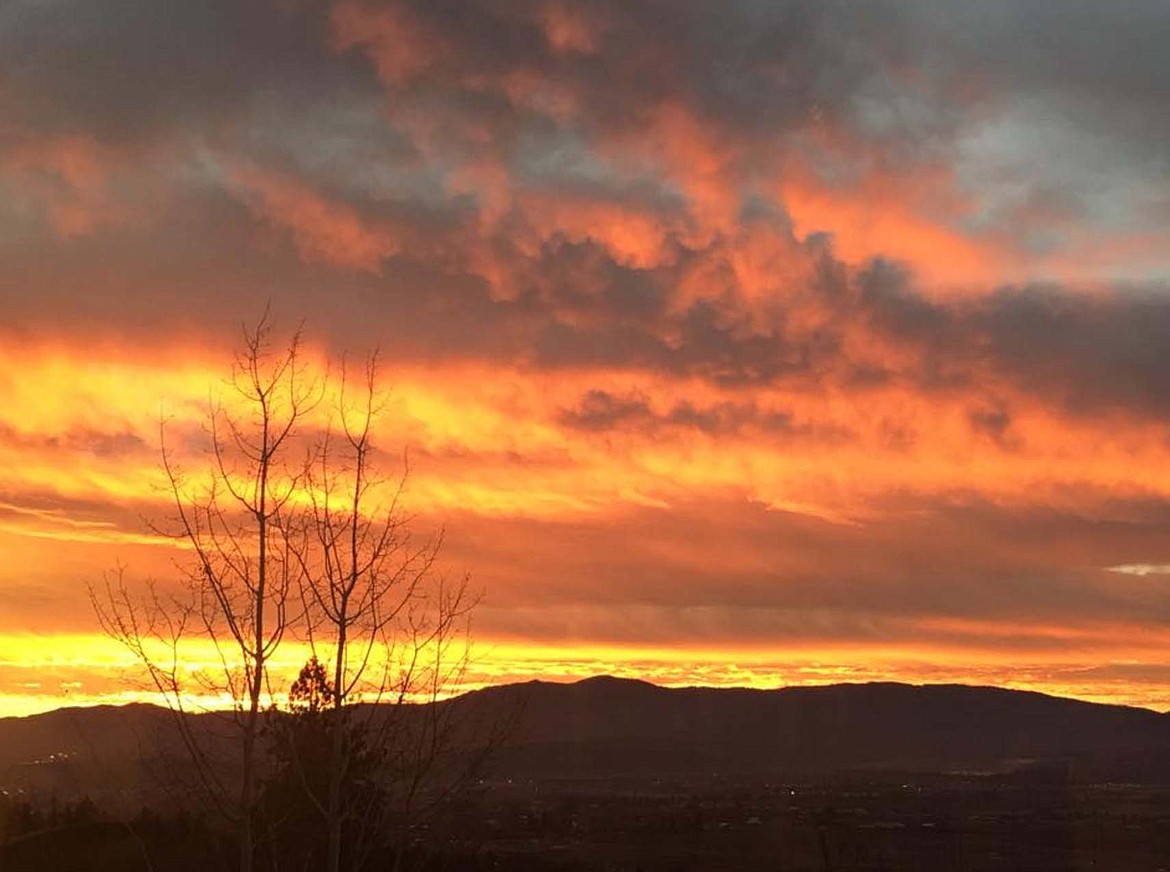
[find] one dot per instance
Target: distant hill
(74, 732)
(605, 727)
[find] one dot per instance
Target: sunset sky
(753, 342)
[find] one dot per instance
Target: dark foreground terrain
(920, 824)
(615, 775)
(930, 824)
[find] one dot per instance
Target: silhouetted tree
(391, 629)
(302, 743)
(240, 582)
(318, 550)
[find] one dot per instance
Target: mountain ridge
(609, 727)
(606, 679)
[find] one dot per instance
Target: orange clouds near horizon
(559, 466)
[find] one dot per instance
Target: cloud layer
(769, 329)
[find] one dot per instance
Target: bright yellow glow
(91, 670)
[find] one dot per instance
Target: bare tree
(390, 627)
(240, 584)
(299, 535)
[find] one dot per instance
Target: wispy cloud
(1142, 569)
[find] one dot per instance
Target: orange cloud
(568, 29)
(633, 237)
(893, 216)
(357, 25)
(86, 429)
(69, 176)
(322, 230)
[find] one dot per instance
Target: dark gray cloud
(139, 69)
(1086, 353)
(103, 445)
(1110, 54)
(904, 75)
(600, 411)
(989, 87)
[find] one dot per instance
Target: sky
(737, 343)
